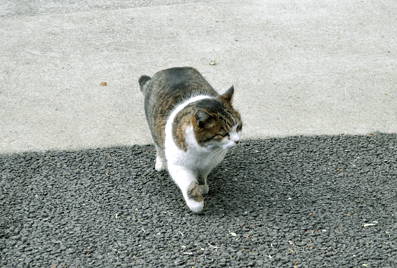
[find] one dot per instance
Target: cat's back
(174, 85)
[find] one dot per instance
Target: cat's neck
(177, 109)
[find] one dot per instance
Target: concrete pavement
(298, 67)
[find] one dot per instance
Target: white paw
(160, 165)
(204, 189)
(195, 206)
(193, 197)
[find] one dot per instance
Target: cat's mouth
(230, 145)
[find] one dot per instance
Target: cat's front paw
(194, 199)
(160, 164)
(204, 189)
(194, 206)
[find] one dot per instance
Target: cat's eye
(210, 138)
(225, 135)
(239, 127)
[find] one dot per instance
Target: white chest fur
(186, 167)
(189, 169)
(196, 156)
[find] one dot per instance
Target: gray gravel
(326, 201)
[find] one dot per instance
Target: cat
(192, 127)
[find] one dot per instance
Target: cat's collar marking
(177, 109)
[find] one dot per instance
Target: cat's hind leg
(187, 182)
(160, 164)
(203, 186)
(160, 160)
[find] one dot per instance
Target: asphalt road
(325, 201)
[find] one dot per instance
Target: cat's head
(216, 123)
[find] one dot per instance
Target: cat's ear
(228, 95)
(202, 118)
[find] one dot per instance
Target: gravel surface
(327, 201)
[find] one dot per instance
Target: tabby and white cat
(192, 127)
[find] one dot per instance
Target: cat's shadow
(238, 186)
(234, 191)
(284, 176)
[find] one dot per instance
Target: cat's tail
(144, 81)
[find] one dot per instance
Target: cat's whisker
(220, 154)
(212, 154)
(216, 154)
